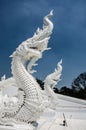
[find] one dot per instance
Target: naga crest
(39, 41)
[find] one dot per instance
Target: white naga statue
(31, 100)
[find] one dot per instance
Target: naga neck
(24, 80)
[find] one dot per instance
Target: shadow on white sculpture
(31, 101)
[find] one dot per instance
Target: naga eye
(33, 47)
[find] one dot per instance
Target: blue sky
(20, 18)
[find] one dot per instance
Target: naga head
(33, 47)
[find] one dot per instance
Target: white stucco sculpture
(31, 100)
